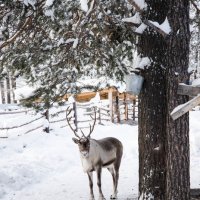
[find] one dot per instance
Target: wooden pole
(46, 114)
(8, 91)
(110, 97)
(75, 116)
(125, 108)
(99, 111)
(134, 103)
(117, 108)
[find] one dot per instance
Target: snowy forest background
(53, 44)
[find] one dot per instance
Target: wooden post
(75, 116)
(125, 108)
(117, 108)
(184, 108)
(110, 97)
(8, 91)
(46, 128)
(99, 111)
(188, 90)
(134, 103)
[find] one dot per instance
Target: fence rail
(116, 112)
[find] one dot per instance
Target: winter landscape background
(38, 166)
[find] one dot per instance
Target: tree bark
(177, 146)
(164, 143)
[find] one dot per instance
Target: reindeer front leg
(98, 170)
(90, 176)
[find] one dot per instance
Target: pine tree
(55, 44)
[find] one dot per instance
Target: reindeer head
(84, 145)
(84, 141)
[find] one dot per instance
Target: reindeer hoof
(102, 198)
(113, 197)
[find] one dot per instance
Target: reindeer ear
(75, 140)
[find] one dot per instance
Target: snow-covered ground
(41, 166)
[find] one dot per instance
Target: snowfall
(47, 166)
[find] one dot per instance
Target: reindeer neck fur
(101, 152)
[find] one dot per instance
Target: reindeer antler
(68, 121)
(92, 127)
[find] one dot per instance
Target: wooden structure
(104, 94)
(121, 106)
(184, 108)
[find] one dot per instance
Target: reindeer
(98, 154)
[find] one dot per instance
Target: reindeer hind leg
(111, 170)
(116, 173)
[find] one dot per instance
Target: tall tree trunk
(163, 143)
(152, 109)
(2, 86)
(177, 146)
(8, 91)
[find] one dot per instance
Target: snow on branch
(134, 19)
(141, 28)
(14, 37)
(164, 26)
(195, 5)
(139, 8)
(84, 5)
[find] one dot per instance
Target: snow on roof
(101, 82)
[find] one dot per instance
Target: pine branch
(147, 22)
(17, 34)
(195, 5)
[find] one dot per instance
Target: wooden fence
(118, 111)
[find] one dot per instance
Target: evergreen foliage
(57, 43)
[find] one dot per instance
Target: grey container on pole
(134, 83)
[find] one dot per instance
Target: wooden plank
(195, 193)
(188, 90)
(184, 108)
